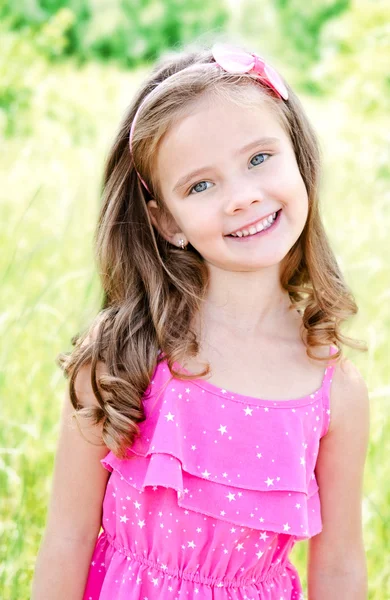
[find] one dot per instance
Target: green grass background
(49, 201)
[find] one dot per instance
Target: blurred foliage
(355, 57)
(301, 24)
(129, 31)
(24, 69)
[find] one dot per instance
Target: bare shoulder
(348, 395)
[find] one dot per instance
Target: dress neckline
(253, 400)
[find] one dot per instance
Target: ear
(164, 223)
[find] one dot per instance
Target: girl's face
(218, 174)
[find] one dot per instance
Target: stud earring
(179, 241)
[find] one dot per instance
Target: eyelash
(204, 181)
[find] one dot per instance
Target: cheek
(301, 194)
(201, 220)
(292, 187)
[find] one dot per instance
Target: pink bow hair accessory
(236, 60)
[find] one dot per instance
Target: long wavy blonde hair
(152, 289)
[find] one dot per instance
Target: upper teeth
(256, 227)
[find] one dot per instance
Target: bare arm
(337, 562)
(74, 515)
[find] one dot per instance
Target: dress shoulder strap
(326, 385)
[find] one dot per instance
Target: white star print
(269, 481)
(141, 523)
(286, 527)
(123, 519)
(222, 429)
(239, 547)
(231, 496)
(264, 536)
(248, 411)
(191, 544)
(303, 460)
(137, 505)
(206, 473)
(169, 416)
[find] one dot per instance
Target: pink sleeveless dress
(214, 495)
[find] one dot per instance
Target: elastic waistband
(275, 571)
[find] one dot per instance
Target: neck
(251, 304)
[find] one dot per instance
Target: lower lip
(247, 238)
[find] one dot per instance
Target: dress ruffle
(257, 507)
(232, 457)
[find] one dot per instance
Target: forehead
(213, 128)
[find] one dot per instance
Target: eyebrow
(186, 178)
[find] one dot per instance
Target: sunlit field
(49, 289)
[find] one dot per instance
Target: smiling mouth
(256, 230)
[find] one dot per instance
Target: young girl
(212, 386)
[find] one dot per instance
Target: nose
(240, 194)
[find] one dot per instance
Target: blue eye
(256, 155)
(201, 185)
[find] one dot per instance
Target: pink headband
(232, 60)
